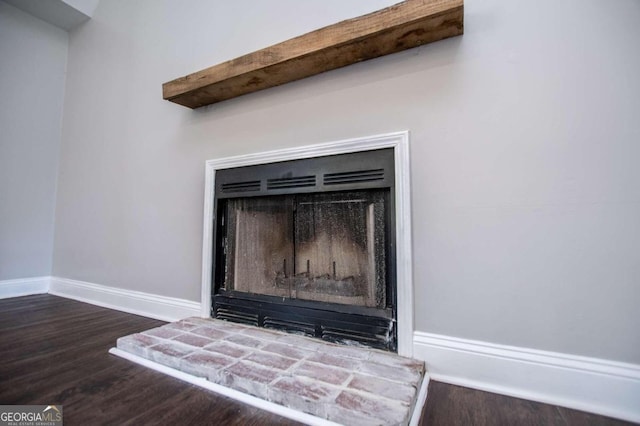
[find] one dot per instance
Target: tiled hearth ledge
(342, 384)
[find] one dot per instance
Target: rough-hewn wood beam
(402, 26)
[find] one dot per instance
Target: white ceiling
(65, 14)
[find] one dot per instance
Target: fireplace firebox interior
(307, 246)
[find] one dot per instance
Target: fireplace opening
(307, 246)
(326, 247)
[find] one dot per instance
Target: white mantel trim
(399, 141)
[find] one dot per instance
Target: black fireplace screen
(324, 247)
(307, 246)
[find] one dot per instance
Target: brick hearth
(344, 384)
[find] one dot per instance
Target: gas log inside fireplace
(308, 246)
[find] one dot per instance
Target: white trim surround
(588, 384)
(399, 141)
(24, 287)
(134, 302)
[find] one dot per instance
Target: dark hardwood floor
(456, 405)
(54, 351)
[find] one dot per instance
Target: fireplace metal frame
(372, 169)
(400, 143)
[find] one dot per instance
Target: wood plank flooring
(54, 351)
(456, 405)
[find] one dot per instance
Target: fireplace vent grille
(300, 327)
(291, 182)
(351, 177)
(328, 325)
(237, 315)
(376, 336)
(248, 186)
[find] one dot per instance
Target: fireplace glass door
(323, 247)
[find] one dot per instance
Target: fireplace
(307, 246)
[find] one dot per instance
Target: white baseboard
(24, 287)
(134, 302)
(594, 385)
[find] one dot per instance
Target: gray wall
(33, 57)
(524, 150)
